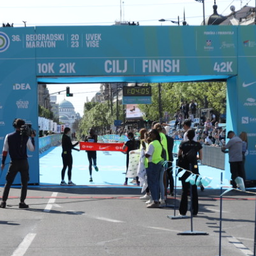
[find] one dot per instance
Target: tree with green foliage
(206, 95)
(43, 112)
(98, 116)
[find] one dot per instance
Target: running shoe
(90, 180)
(23, 205)
(153, 205)
(63, 183)
(150, 201)
(145, 197)
(96, 168)
(70, 183)
(3, 205)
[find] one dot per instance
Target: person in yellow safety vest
(155, 160)
(160, 128)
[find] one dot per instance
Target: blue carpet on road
(111, 168)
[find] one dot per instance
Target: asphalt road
(78, 221)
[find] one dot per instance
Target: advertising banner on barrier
(90, 146)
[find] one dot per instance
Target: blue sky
(106, 12)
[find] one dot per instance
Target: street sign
(137, 100)
(117, 122)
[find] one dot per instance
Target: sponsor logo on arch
(21, 86)
(4, 42)
(22, 104)
(248, 120)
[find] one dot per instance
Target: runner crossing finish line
(90, 146)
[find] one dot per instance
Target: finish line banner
(91, 146)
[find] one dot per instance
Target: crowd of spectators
(209, 132)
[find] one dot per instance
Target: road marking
(50, 203)
(240, 246)
(24, 245)
(164, 229)
(214, 210)
(109, 220)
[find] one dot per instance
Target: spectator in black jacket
(66, 155)
(192, 165)
(169, 174)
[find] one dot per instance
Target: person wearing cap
(234, 147)
(16, 145)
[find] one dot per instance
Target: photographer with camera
(16, 144)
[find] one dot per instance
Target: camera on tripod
(26, 130)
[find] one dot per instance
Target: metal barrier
(212, 156)
(49, 141)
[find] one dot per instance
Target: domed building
(215, 18)
(244, 16)
(67, 114)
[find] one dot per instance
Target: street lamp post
(173, 21)
(117, 110)
(160, 103)
(202, 1)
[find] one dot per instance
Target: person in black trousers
(16, 144)
(92, 155)
(66, 155)
(169, 172)
(130, 145)
(191, 165)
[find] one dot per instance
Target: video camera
(26, 130)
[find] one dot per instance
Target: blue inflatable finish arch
(127, 54)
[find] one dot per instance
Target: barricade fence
(212, 156)
(49, 141)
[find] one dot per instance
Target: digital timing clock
(137, 91)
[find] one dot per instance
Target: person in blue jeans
(164, 143)
(154, 166)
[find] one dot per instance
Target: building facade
(67, 114)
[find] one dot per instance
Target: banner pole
(220, 232)
(254, 251)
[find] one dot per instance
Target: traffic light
(68, 94)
